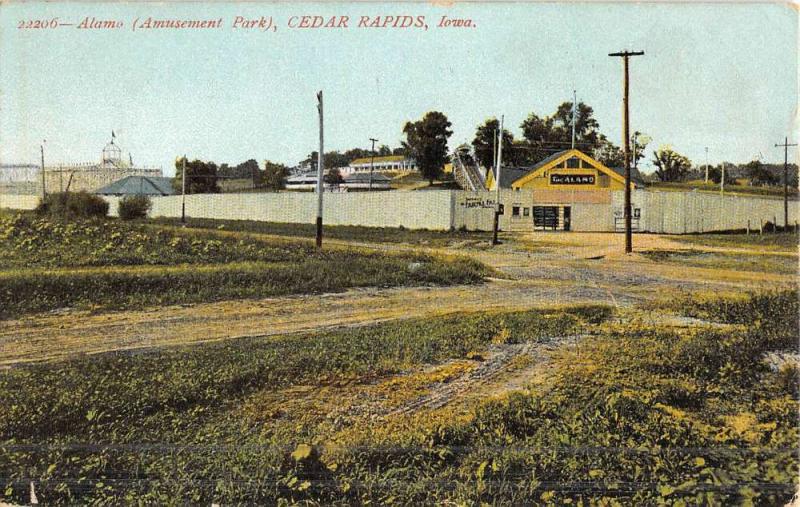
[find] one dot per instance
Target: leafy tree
(338, 159)
(670, 165)
(586, 127)
(333, 177)
(426, 141)
(201, 177)
(639, 144)
(546, 135)
(274, 176)
(715, 174)
(759, 175)
(249, 169)
(331, 159)
(485, 144)
(538, 134)
(608, 154)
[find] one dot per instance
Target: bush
(75, 204)
(134, 206)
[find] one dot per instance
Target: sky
(720, 75)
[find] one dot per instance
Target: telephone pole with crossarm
(785, 146)
(625, 55)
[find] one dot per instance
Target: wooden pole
(320, 171)
(785, 145)
(44, 190)
(626, 136)
(372, 163)
(496, 225)
(183, 190)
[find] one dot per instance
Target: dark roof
(636, 176)
(364, 178)
(547, 160)
(509, 175)
(138, 185)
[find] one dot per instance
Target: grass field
(634, 414)
(422, 237)
(45, 265)
(725, 260)
(787, 242)
(776, 191)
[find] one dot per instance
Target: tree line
(426, 141)
(204, 177)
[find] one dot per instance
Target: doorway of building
(567, 217)
(545, 217)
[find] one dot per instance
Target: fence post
(774, 223)
(760, 226)
(748, 227)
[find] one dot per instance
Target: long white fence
(659, 212)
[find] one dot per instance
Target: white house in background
(389, 163)
(358, 181)
(307, 181)
(361, 181)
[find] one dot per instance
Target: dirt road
(536, 270)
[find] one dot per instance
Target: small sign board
(571, 179)
(477, 202)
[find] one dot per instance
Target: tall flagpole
(574, 115)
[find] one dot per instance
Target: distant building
(89, 176)
(139, 185)
(361, 181)
(19, 172)
(307, 181)
(357, 181)
(389, 163)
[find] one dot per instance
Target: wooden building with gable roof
(544, 196)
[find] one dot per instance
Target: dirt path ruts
(550, 277)
(499, 360)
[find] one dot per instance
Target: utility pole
(372, 162)
(627, 137)
(722, 179)
(498, 206)
(785, 145)
(574, 116)
(44, 191)
(183, 190)
(320, 171)
(706, 178)
(635, 150)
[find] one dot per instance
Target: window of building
(574, 163)
(515, 211)
(526, 212)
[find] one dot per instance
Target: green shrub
(132, 207)
(73, 204)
